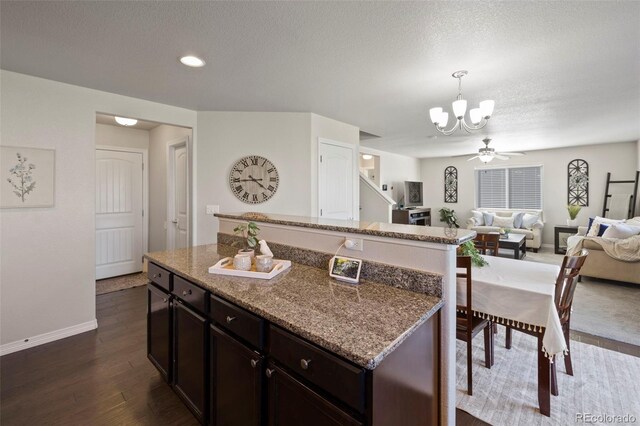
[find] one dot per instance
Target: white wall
(47, 269)
(225, 137)
(124, 137)
(289, 140)
(159, 137)
(618, 158)
(394, 170)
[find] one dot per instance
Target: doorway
(337, 180)
(178, 194)
(120, 202)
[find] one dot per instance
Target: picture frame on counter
(345, 269)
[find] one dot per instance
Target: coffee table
(515, 242)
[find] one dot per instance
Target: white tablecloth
(517, 292)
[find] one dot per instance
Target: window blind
(524, 188)
(509, 187)
(491, 188)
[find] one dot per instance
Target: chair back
(566, 284)
(487, 242)
(464, 263)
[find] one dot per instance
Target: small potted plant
(250, 233)
(449, 217)
(573, 214)
(468, 248)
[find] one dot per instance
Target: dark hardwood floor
(103, 377)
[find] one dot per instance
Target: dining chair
(487, 243)
(566, 284)
(468, 325)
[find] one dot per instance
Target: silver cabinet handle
(164, 300)
(304, 363)
(186, 292)
(230, 319)
(174, 221)
(254, 363)
(269, 372)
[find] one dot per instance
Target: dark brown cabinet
(190, 363)
(159, 330)
(236, 382)
(291, 403)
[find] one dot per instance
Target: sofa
(533, 233)
(600, 265)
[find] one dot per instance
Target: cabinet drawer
(190, 293)
(160, 276)
(242, 323)
(335, 376)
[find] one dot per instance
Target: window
(509, 187)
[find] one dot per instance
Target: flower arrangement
(449, 217)
(468, 248)
(573, 211)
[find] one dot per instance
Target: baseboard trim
(51, 336)
(547, 246)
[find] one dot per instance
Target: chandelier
(479, 116)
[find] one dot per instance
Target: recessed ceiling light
(367, 156)
(192, 61)
(126, 121)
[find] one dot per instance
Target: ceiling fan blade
(501, 157)
(511, 153)
(473, 158)
(462, 155)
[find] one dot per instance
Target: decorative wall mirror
(578, 183)
(450, 185)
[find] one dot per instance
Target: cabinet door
(292, 403)
(236, 382)
(159, 330)
(190, 346)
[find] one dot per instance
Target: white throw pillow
(595, 226)
(503, 222)
(477, 217)
(634, 221)
(517, 219)
(528, 220)
(488, 218)
(621, 231)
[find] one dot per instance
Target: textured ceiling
(561, 73)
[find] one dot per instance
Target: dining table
(521, 295)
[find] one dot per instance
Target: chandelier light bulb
(434, 114)
(486, 108)
(475, 116)
(479, 116)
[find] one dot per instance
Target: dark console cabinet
(412, 217)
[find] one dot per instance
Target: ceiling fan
(487, 154)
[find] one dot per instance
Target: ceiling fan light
(486, 108)
(444, 119)
(123, 121)
(475, 115)
(435, 114)
(485, 158)
(459, 108)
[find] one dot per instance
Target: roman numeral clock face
(253, 179)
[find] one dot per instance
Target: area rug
(605, 383)
(600, 307)
(109, 285)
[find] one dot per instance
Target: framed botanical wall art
(27, 177)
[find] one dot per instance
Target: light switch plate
(211, 209)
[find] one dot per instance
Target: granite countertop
(362, 323)
(432, 234)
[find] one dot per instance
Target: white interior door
(119, 226)
(336, 178)
(178, 197)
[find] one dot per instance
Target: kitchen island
(301, 348)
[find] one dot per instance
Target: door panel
(292, 404)
(190, 334)
(336, 171)
(118, 213)
(178, 198)
(236, 382)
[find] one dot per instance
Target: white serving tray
(225, 267)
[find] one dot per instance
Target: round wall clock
(253, 179)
